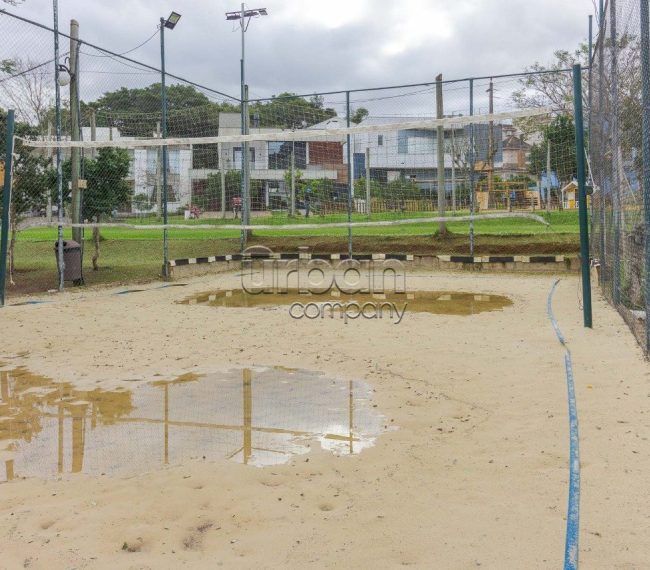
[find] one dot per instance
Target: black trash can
(72, 261)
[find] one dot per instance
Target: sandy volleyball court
(474, 476)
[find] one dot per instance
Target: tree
(30, 182)
(26, 87)
(560, 133)
(107, 188)
(547, 85)
(359, 115)
(136, 112)
(289, 111)
(210, 198)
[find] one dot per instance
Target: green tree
(107, 188)
(359, 115)
(289, 111)
(30, 181)
(210, 199)
(560, 133)
(136, 112)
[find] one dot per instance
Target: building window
(280, 155)
(380, 140)
(236, 155)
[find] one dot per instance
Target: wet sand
(475, 475)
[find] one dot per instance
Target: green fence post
(6, 203)
(582, 195)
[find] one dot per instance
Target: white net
(383, 171)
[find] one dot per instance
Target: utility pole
(244, 16)
(59, 157)
(491, 151)
(75, 135)
(441, 155)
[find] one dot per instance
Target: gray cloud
(317, 45)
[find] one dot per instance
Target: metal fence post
(59, 157)
(472, 191)
(350, 181)
(6, 202)
(645, 94)
(601, 144)
(589, 104)
(582, 195)
(165, 158)
(616, 166)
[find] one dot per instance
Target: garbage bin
(72, 261)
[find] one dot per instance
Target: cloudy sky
(307, 46)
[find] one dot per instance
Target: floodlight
(171, 22)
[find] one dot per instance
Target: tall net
(620, 77)
(297, 182)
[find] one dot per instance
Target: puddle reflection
(435, 302)
(258, 416)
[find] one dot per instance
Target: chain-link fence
(620, 121)
(299, 178)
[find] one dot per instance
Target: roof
(513, 142)
(331, 123)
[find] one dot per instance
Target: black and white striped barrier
(564, 260)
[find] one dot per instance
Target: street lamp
(244, 16)
(170, 24)
(64, 79)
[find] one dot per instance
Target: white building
(145, 170)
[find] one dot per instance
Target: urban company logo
(345, 288)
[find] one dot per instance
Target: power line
(151, 37)
(44, 27)
(26, 71)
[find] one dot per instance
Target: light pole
(244, 17)
(169, 23)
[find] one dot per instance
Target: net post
(582, 203)
(442, 195)
(472, 190)
(6, 202)
(368, 209)
(222, 178)
(645, 97)
(350, 181)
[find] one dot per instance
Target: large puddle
(436, 302)
(258, 416)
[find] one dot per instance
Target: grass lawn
(135, 256)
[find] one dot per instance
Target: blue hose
(573, 509)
